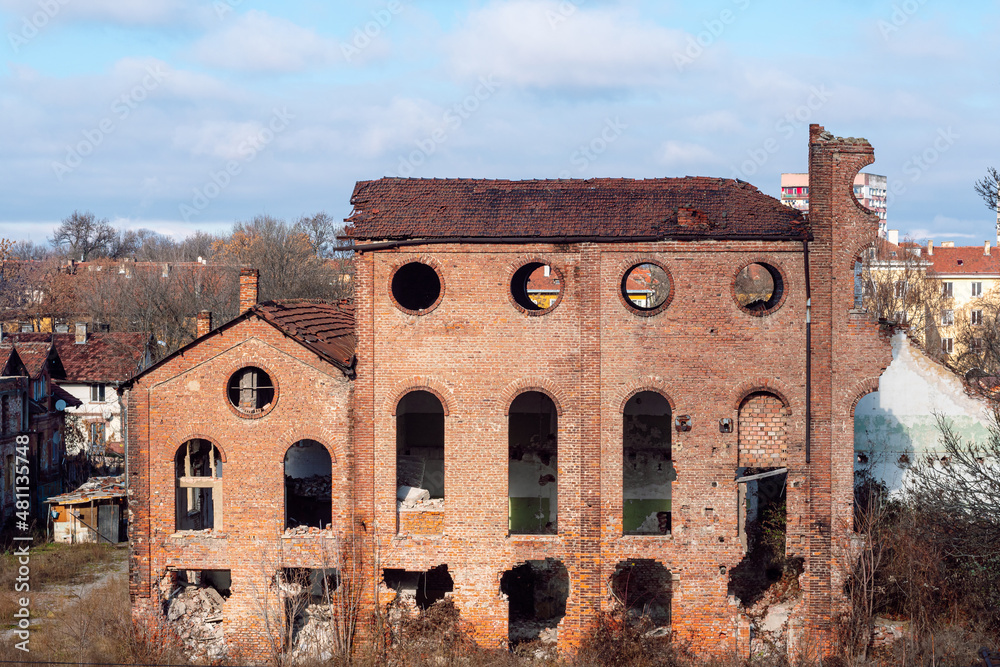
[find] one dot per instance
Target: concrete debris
(314, 486)
(196, 615)
(305, 530)
(431, 504)
(658, 632)
(409, 494)
(313, 634)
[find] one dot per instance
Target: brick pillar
(248, 288)
(204, 323)
(846, 350)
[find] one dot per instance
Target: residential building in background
(870, 190)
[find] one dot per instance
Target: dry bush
(619, 639)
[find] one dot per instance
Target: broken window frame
(189, 483)
(287, 506)
(666, 443)
(554, 435)
(242, 394)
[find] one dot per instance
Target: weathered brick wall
(417, 522)
(186, 398)
(763, 441)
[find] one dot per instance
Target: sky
(180, 115)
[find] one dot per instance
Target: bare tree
(322, 232)
(988, 187)
(83, 236)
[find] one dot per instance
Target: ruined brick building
(536, 460)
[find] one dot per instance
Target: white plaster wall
(899, 419)
(93, 411)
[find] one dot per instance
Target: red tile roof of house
(691, 207)
(33, 354)
(105, 357)
(325, 328)
(963, 259)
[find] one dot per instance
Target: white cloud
(223, 139)
(684, 155)
(259, 42)
(560, 44)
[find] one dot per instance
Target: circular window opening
(416, 286)
(758, 288)
(646, 286)
(251, 391)
(536, 286)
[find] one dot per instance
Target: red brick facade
(476, 349)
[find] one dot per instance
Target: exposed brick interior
(477, 352)
(762, 436)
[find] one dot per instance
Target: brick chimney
(81, 333)
(930, 247)
(204, 323)
(248, 288)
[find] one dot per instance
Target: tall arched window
(647, 465)
(420, 447)
(532, 485)
(308, 485)
(198, 494)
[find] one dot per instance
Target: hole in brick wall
(646, 286)
(758, 288)
(311, 607)
(420, 451)
(647, 468)
(532, 485)
(644, 588)
(536, 286)
(194, 604)
(416, 286)
(419, 589)
(536, 591)
(761, 431)
(198, 493)
(250, 390)
(308, 485)
(762, 520)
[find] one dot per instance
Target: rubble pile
(412, 498)
(313, 634)
(305, 530)
(315, 486)
(196, 615)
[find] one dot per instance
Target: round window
(536, 287)
(251, 391)
(646, 288)
(758, 288)
(416, 287)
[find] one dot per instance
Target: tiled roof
(691, 207)
(325, 328)
(964, 259)
(105, 357)
(59, 393)
(33, 354)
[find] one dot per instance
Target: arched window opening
(308, 486)
(198, 470)
(420, 452)
(537, 592)
(647, 466)
(532, 485)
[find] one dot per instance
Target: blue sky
(178, 115)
